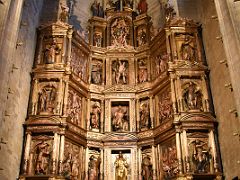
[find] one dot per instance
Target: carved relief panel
(98, 36)
(120, 120)
(79, 63)
(168, 160)
(160, 64)
(41, 155)
(95, 115)
(97, 72)
(144, 114)
(142, 70)
(142, 37)
(164, 106)
(120, 71)
(74, 107)
(72, 165)
(120, 32)
(46, 98)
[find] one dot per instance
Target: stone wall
(17, 54)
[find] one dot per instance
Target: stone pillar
(173, 94)
(86, 163)
(214, 150)
(35, 97)
(69, 35)
(88, 113)
(138, 115)
(26, 152)
(140, 163)
(179, 152)
(101, 165)
(65, 102)
(132, 115)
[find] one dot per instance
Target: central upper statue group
(97, 9)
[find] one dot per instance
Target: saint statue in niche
(187, 50)
(51, 51)
(97, 73)
(193, 97)
(142, 37)
(119, 120)
(121, 167)
(120, 71)
(142, 71)
(201, 156)
(147, 172)
(47, 99)
(97, 39)
(95, 115)
(42, 157)
(94, 167)
(145, 115)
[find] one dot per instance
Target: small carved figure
(145, 115)
(119, 122)
(142, 71)
(187, 51)
(51, 51)
(93, 167)
(64, 13)
(128, 3)
(71, 166)
(142, 6)
(43, 157)
(193, 97)
(142, 37)
(75, 168)
(147, 173)
(47, 99)
(169, 12)
(94, 8)
(165, 107)
(95, 115)
(201, 156)
(97, 73)
(74, 108)
(121, 167)
(97, 39)
(119, 68)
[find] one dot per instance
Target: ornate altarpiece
(124, 95)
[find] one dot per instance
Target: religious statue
(43, 158)
(147, 172)
(119, 121)
(193, 97)
(97, 9)
(97, 73)
(165, 107)
(169, 12)
(145, 115)
(120, 70)
(94, 167)
(97, 39)
(95, 115)
(64, 13)
(200, 156)
(142, 71)
(51, 51)
(71, 166)
(187, 50)
(142, 6)
(121, 167)
(142, 37)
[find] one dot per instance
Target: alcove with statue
(127, 104)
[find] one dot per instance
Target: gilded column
(65, 98)
(173, 94)
(54, 154)
(61, 154)
(102, 116)
(154, 163)
(132, 115)
(151, 111)
(185, 144)
(39, 50)
(35, 97)
(27, 151)
(214, 150)
(69, 35)
(88, 113)
(86, 163)
(138, 115)
(101, 165)
(140, 163)
(179, 153)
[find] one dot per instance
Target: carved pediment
(57, 26)
(44, 120)
(197, 117)
(120, 88)
(183, 22)
(197, 135)
(120, 137)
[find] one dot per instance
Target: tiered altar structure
(126, 105)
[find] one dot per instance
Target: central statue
(121, 167)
